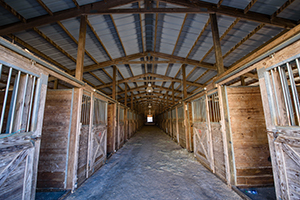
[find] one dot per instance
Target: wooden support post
(217, 45)
(55, 86)
(243, 80)
(173, 100)
(114, 82)
(177, 126)
(81, 48)
(184, 81)
(74, 139)
(226, 136)
(210, 141)
(125, 103)
(186, 128)
(131, 101)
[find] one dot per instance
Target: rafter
(141, 25)
(153, 94)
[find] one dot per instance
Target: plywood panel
(249, 136)
(54, 142)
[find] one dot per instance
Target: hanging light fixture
(149, 106)
(149, 88)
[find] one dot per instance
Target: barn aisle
(151, 166)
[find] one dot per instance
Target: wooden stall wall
(181, 127)
(121, 128)
(190, 126)
(53, 162)
(250, 143)
(174, 125)
(111, 118)
(21, 123)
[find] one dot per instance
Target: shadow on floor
(51, 195)
(266, 193)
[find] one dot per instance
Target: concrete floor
(151, 166)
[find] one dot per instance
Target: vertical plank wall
(54, 142)
(249, 137)
(110, 128)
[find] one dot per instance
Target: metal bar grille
(214, 107)
(283, 85)
(19, 98)
(85, 110)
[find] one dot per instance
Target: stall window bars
(100, 112)
(85, 110)
(214, 107)
(283, 87)
(199, 110)
(19, 96)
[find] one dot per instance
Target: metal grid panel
(59, 5)
(27, 8)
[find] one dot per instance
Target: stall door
(201, 133)
(181, 127)
(279, 87)
(84, 139)
(98, 137)
(22, 105)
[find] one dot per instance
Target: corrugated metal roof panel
(126, 25)
(196, 74)
(173, 69)
(136, 69)
(124, 70)
(267, 6)
(6, 17)
(240, 4)
(83, 2)
(40, 44)
(102, 76)
(27, 8)
(59, 5)
(161, 69)
(57, 35)
(292, 11)
(207, 77)
(91, 79)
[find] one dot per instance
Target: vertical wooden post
(217, 45)
(74, 139)
(125, 95)
(173, 100)
(114, 82)
(131, 100)
(55, 86)
(186, 128)
(177, 126)
(210, 142)
(226, 136)
(81, 48)
(243, 80)
(184, 81)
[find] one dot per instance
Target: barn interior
(80, 79)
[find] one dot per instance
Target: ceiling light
(149, 88)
